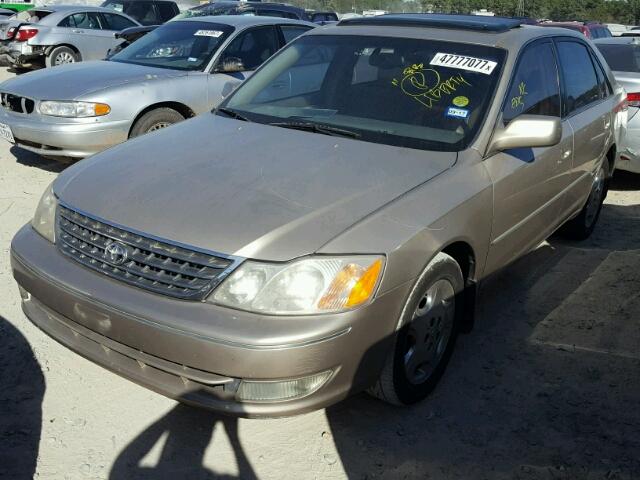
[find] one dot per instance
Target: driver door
(529, 184)
(252, 47)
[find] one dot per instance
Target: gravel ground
(545, 387)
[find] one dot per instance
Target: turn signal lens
(364, 288)
(102, 109)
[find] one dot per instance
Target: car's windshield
(622, 57)
(424, 94)
(176, 45)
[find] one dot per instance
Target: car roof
(245, 20)
(69, 8)
(501, 32)
(438, 20)
(152, 1)
(617, 40)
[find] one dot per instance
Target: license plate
(5, 132)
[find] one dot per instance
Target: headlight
(311, 285)
(73, 109)
(44, 220)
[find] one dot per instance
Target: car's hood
(244, 188)
(72, 81)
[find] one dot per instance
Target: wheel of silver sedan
(422, 346)
(595, 198)
(64, 57)
(155, 119)
(429, 331)
(158, 126)
(60, 56)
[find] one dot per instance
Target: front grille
(137, 260)
(16, 103)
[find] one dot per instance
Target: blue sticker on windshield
(457, 112)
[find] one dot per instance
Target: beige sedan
(323, 231)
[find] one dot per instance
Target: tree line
(609, 11)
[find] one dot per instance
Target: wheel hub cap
(429, 331)
(64, 57)
(158, 126)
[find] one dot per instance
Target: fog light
(269, 391)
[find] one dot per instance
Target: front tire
(581, 227)
(61, 56)
(430, 322)
(155, 120)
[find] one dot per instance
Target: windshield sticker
(426, 86)
(192, 59)
(518, 100)
(208, 33)
(460, 101)
(457, 112)
(461, 62)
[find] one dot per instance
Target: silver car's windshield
(177, 45)
(425, 94)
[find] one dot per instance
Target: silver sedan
(623, 56)
(66, 34)
(179, 70)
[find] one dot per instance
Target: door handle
(78, 31)
(566, 154)
(607, 124)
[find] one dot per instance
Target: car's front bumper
(194, 351)
(61, 137)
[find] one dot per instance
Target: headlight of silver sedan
(73, 109)
(308, 286)
(44, 220)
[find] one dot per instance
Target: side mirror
(230, 65)
(527, 131)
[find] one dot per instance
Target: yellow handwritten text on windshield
(426, 86)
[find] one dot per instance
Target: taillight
(11, 32)
(25, 34)
(633, 99)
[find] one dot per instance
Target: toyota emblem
(116, 253)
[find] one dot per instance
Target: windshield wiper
(314, 127)
(230, 112)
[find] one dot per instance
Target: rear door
(588, 104)
(84, 31)
(529, 184)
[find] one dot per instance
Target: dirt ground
(547, 386)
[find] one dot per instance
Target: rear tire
(581, 226)
(60, 56)
(430, 322)
(155, 120)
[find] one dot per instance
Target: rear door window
(167, 11)
(253, 47)
(88, 20)
(535, 85)
(143, 12)
(113, 21)
(290, 32)
(580, 79)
